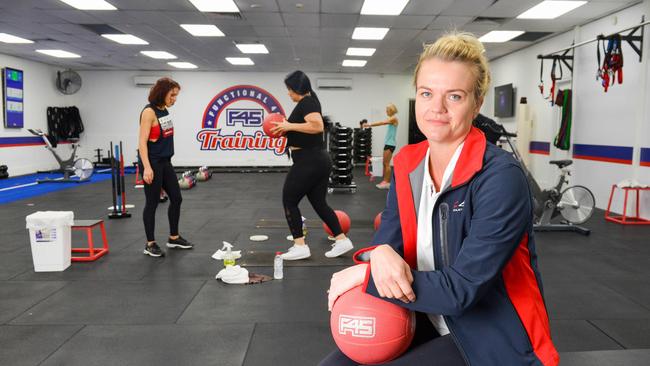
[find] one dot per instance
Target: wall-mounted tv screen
(504, 101)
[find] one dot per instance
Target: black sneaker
(153, 250)
(179, 243)
(163, 199)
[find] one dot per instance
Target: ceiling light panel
(499, 36)
(550, 9)
(125, 38)
(354, 51)
(216, 6)
(383, 7)
(203, 30)
(90, 4)
(252, 48)
(161, 55)
(8, 38)
(182, 65)
(354, 63)
(367, 33)
(240, 61)
(59, 53)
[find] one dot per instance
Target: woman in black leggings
(156, 148)
(311, 168)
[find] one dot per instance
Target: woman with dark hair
(156, 148)
(311, 168)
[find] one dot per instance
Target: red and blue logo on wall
(233, 121)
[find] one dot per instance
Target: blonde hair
(462, 47)
(392, 109)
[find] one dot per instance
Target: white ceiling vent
(145, 81)
(334, 83)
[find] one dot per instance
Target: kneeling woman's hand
(345, 280)
(391, 274)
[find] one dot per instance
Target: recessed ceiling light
(125, 38)
(499, 36)
(383, 7)
(354, 63)
(252, 48)
(550, 9)
(8, 38)
(203, 30)
(59, 53)
(182, 65)
(90, 4)
(240, 60)
(369, 33)
(161, 55)
(216, 6)
(352, 51)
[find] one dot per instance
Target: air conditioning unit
(334, 83)
(145, 81)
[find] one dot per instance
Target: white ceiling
(313, 37)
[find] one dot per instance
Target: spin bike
(81, 167)
(575, 203)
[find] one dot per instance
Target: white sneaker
(339, 248)
(296, 252)
(383, 185)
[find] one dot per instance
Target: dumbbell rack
(340, 148)
(362, 145)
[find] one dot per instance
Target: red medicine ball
(370, 330)
(268, 123)
(344, 221)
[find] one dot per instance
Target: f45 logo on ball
(357, 326)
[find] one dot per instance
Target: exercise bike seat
(561, 163)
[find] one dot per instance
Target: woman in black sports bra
(309, 174)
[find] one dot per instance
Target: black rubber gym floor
(130, 309)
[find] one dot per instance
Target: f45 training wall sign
(232, 126)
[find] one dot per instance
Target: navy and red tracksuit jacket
(486, 283)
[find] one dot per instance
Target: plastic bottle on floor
(229, 257)
(277, 266)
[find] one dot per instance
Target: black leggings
(427, 348)
(308, 176)
(164, 177)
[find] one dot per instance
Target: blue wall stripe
(621, 153)
(21, 140)
(645, 156)
(540, 146)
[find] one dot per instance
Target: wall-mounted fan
(68, 82)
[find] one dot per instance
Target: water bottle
(277, 266)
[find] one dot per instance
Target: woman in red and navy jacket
(456, 240)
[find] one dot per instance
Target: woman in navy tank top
(156, 148)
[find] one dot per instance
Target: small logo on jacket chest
(458, 207)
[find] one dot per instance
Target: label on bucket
(45, 235)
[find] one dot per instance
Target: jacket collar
(469, 163)
(408, 177)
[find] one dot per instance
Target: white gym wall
(618, 118)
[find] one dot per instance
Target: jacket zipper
(443, 218)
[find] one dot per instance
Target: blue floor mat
(25, 186)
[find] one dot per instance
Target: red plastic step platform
(93, 253)
(624, 219)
